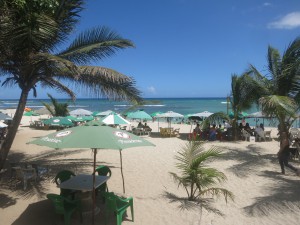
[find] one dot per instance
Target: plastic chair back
(103, 170)
(58, 202)
(63, 176)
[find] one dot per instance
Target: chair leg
(120, 217)
(132, 215)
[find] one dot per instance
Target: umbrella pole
(94, 193)
(122, 171)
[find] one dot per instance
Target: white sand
(262, 194)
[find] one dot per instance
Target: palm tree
(31, 32)
(280, 97)
(57, 109)
(244, 92)
(196, 178)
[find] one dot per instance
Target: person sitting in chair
(140, 125)
(146, 127)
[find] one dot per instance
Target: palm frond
(95, 44)
(277, 106)
(106, 82)
(218, 192)
(50, 82)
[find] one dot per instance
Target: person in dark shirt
(284, 155)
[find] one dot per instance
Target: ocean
(180, 105)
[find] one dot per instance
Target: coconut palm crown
(32, 34)
(280, 96)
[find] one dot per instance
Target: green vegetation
(31, 35)
(56, 109)
(280, 88)
(199, 181)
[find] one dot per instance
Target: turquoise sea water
(179, 105)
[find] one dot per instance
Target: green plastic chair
(65, 206)
(117, 205)
(103, 171)
(61, 177)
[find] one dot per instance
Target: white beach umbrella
(4, 116)
(170, 115)
(81, 112)
(203, 114)
(2, 125)
(105, 113)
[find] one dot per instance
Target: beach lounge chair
(246, 135)
(294, 133)
(175, 132)
(260, 135)
(268, 135)
(65, 206)
(118, 206)
(24, 175)
(61, 177)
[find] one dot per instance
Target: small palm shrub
(199, 181)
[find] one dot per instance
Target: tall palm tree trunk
(13, 128)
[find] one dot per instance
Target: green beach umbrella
(31, 113)
(94, 123)
(95, 113)
(104, 113)
(93, 137)
(154, 114)
(58, 121)
(139, 114)
(241, 115)
(84, 118)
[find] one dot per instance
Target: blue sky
(190, 48)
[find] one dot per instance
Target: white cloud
(289, 21)
(266, 4)
(152, 90)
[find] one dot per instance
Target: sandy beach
(262, 194)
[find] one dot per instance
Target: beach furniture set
(169, 132)
(76, 195)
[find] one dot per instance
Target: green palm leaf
(95, 44)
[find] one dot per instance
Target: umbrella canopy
(139, 114)
(2, 125)
(114, 119)
(203, 114)
(80, 118)
(4, 116)
(170, 114)
(105, 113)
(155, 114)
(195, 118)
(30, 113)
(94, 123)
(58, 121)
(81, 112)
(240, 116)
(94, 137)
(95, 113)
